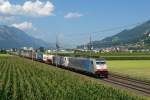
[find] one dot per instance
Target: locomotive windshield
(100, 62)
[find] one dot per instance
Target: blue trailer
(84, 64)
(39, 56)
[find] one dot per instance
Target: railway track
(139, 86)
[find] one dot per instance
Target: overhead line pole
(57, 47)
(33, 54)
(32, 51)
(90, 45)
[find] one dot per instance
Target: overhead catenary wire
(117, 28)
(107, 29)
(93, 33)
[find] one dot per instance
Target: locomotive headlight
(101, 67)
(104, 66)
(98, 67)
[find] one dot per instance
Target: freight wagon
(60, 61)
(56, 60)
(48, 58)
(64, 61)
(39, 56)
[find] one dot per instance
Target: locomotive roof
(101, 59)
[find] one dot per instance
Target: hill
(11, 37)
(138, 35)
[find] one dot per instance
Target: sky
(73, 20)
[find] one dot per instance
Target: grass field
(23, 79)
(6, 55)
(134, 68)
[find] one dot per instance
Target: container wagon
(48, 58)
(39, 56)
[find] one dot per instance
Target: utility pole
(32, 52)
(90, 45)
(57, 48)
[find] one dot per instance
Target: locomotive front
(101, 68)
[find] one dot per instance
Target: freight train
(97, 67)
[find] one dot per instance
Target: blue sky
(74, 20)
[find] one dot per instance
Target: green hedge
(127, 58)
(111, 56)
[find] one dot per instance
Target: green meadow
(133, 68)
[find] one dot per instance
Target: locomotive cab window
(100, 62)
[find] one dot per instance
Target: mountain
(11, 37)
(137, 35)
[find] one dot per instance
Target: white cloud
(24, 26)
(29, 8)
(73, 15)
(6, 18)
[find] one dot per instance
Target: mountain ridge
(136, 36)
(11, 37)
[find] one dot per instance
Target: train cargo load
(84, 64)
(47, 58)
(39, 56)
